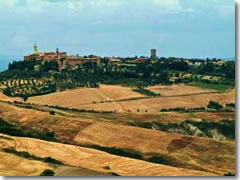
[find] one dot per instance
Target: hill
(122, 99)
(95, 160)
(111, 133)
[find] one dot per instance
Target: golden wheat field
(11, 165)
(95, 160)
(179, 89)
(84, 96)
(123, 99)
(81, 134)
(194, 151)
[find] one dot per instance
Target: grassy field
(216, 87)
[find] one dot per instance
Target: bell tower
(35, 48)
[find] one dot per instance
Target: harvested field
(77, 171)
(96, 160)
(3, 97)
(12, 165)
(183, 151)
(122, 99)
(82, 96)
(68, 124)
(176, 90)
(154, 105)
(94, 128)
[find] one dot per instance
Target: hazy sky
(183, 28)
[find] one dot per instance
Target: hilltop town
(73, 62)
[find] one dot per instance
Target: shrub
(229, 174)
(52, 113)
(48, 172)
(231, 105)
(27, 155)
(146, 92)
(114, 174)
(118, 151)
(214, 105)
(158, 160)
(179, 109)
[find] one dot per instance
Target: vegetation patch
(214, 105)
(232, 105)
(6, 138)
(158, 160)
(146, 92)
(203, 128)
(130, 153)
(118, 151)
(184, 110)
(48, 172)
(229, 174)
(216, 87)
(32, 157)
(15, 130)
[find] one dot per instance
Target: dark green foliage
(229, 174)
(158, 160)
(118, 151)
(130, 153)
(114, 174)
(52, 160)
(14, 130)
(225, 127)
(22, 65)
(45, 89)
(7, 91)
(25, 98)
(78, 110)
(10, 129)
(33, 157)
(146, 92)
(231, 105)
(51, 65)
(52, 112)
(214, 105)
(178, 109)
(48, 172)
(129, 74)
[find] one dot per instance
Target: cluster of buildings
(62, 58)
(69, 61)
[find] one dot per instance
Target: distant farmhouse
(64, 60)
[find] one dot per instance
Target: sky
(179, 28)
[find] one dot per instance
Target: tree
(7, 91)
